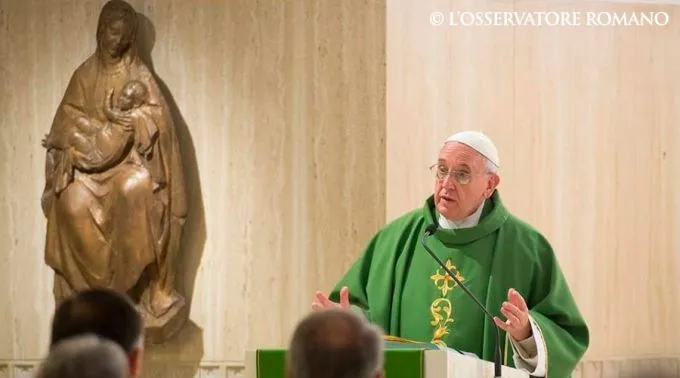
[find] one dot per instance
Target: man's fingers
(322, 299)
(316, 306)
(514, 320)
(501, 324)
(344, 297)
(516, 298)
(513, 310)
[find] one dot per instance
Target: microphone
(429, 231)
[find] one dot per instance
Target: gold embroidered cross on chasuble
(442, 308)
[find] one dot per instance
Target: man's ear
(494, 180)
(135, 362)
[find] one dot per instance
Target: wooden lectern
(402, 360)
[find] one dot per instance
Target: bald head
(85, 356)
(335, 344)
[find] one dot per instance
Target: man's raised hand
(322, 302)
(515, 310)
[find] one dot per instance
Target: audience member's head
(104, 313)
(85, 356)
(335, 343)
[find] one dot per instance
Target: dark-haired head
(105, 313)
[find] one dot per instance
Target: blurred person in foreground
(107, 314)
(335, 343)
(85, 356)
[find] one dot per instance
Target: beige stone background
(306, 125)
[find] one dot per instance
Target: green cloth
(412, 345)
(399, 286)
(399, 363)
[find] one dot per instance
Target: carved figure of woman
(106, 227)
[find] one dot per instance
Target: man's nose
(448, 181)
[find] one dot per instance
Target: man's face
(459, 194)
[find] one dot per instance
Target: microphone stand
(497, 354)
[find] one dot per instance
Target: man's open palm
(517, 314)
(321, 301)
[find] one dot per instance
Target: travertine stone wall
(306, 125)
(282, 118)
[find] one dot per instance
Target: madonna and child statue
(114, 197)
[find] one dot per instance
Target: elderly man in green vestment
(506, 263)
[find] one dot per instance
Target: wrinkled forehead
(456, 154)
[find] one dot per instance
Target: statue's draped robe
(104, 228)
(400, 287)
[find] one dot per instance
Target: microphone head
(431, 229)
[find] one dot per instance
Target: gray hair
(85, 356)
(335, 343)
(490, 166)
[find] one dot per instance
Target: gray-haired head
(85, 356)
(335, 344)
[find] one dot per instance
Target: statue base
(158, 330)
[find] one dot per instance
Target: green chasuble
(401, 288)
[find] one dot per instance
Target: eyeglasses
(441, 172)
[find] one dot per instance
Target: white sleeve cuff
(534, 365)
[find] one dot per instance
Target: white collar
(470, 221)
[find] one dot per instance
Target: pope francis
(506, 263)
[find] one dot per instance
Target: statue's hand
(45, 142)
(124, 121)
(120, 119)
